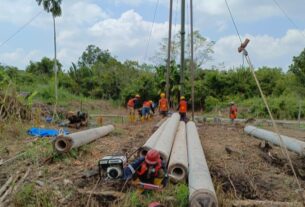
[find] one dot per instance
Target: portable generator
(112, 166)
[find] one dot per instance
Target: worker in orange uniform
(130, 108)
(147, 170)
(182, 107)
(147, 107)
(163, 105)
(233, 111)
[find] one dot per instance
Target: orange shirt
(163, 104)
(183, 106)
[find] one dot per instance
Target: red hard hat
(152, 157)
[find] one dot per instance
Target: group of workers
(146, 109)
(151, 170)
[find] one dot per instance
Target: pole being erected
(182, 32)
(192, 59)
(169, 48)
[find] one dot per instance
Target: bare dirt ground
(242, 170)
(239, 167)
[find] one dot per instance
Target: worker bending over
(147, 170)
(146, 109)
(163, 105)
(182, 107)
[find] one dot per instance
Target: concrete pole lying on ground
(151, 142)
(201, 189)
(157, 126)
(178, 164)
(291, 144)
(64, 143)
(166, 139)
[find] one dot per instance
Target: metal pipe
(151, 142)
(178, 164)
(201, 189)
(66, 143)
(291, 144)
(166, 139)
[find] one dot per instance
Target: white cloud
(264, 50)
(19, 57)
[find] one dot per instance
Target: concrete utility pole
(182, 32)
(169, 50)
(192, 59)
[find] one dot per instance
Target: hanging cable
(174, 31)
(152, 27)
(21, 28)
(228, 7)
(288, 18)
(242, 49)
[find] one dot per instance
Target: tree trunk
(55, 70)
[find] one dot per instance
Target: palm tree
(53, 7)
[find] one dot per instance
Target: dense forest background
(100, 75)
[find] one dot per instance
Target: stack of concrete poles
(201, 189)
(167, 136)
(151, 142)
(178, 164)
(66, 143)
(291, 144)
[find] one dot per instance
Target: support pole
(64, 144)
(169, 50)
(178, 164)
(201, 189)
(291, 144)
(182, 32)
(192, 60)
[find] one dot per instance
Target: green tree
(43, 67)
(298, 67)
(92, 55)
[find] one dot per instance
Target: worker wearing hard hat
(182, 107)
(138, 105)
(147, 170)
(131, 110)
(163, 105)
(233, 111)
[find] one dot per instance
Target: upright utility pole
(169, 49)
(182, 32)
(192, 59)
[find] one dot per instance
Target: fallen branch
(5, 186)
(12, 158)
(245, 203)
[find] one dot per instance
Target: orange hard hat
(152, 157)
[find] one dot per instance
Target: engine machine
(112, 166)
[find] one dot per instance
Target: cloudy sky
(123, 27)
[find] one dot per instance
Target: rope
(20, 29)
(289, 19)
(246, 55)
(228, 7)
(152, 27)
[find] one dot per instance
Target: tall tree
(53, 7)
